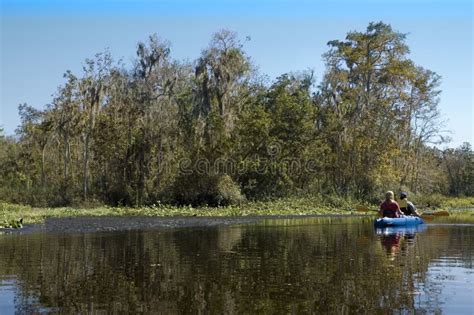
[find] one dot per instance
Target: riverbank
(11, 213)
(288, 206)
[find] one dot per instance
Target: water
(312, 265)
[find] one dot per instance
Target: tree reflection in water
(311, 265)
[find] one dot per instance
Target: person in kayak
(389, 208)
(407, 207)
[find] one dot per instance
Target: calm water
(316, 265)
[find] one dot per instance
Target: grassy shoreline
(460, 208)
(32, 215)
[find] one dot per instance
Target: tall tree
(92, 88)
(221, 73)
(373, 95)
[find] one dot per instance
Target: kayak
(402, 221)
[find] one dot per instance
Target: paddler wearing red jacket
(389, 208)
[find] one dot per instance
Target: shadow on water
(309, 265)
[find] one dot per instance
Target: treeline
(216, 131)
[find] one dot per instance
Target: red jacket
(390, 209)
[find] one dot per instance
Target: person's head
(389, 195)
(403, 195)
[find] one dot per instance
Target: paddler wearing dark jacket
(407, 207)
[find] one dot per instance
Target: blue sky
(40, 40)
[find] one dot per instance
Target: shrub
(212, 190)
(432, 200)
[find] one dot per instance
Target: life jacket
(390, 209)
(403, 203)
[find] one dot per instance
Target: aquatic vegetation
(286, 206)
(458, 203)
(12, 224)
(440, 201)
(304, 205)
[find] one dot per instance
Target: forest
(216, 131)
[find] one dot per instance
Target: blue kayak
(402, 221)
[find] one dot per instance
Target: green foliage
(227, 191)
(12, 224)
(133, 137)
(437, 200)
(429, 200)
(459, 165)
(373, 99)
(276, 139)
(198, 189)
(458, 203)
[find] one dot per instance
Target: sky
(41, 39)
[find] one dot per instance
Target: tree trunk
(43, 176)
(85, 167)
(67, 152)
